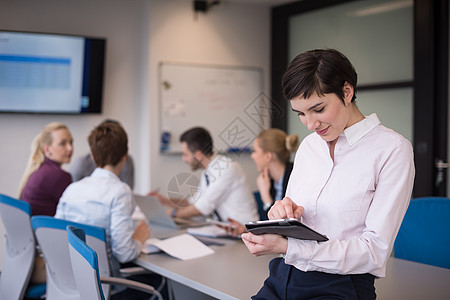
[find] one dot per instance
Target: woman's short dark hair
(109, 143)
(321, 71)
(198, 138)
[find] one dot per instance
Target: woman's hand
(265, 243)
(285, 208)
(273, 243)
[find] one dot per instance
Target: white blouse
(358, 200)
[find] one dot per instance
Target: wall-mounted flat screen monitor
(50, 73)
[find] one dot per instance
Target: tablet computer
(289, 227)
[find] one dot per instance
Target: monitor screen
(50, 73)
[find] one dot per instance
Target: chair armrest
(131, 284)
(130, 271)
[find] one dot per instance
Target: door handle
(440, 166)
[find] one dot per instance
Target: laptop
(156, 214)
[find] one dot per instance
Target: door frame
(430, 83)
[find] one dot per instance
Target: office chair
(84, 263)
(424, 234)
(20, 253)
(52, 237)
(86, 271)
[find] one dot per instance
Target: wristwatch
(267, 206)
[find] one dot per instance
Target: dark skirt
(287, 282)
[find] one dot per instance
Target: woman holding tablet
(352, 181)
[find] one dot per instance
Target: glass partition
(377, 36)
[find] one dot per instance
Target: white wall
(121, 24)
(140, 34)
(226, 35)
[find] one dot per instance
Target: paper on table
(182, 246)
(149, 246)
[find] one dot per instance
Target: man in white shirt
(103, 200)
(223, 191)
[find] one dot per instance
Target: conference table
(233, 273)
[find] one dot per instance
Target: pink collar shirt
(358, 200)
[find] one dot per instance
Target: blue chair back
(51, 234)
(84, 265)
(424, 234)
(20, 253)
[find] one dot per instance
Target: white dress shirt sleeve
(124, 247)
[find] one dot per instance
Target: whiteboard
(228, 101)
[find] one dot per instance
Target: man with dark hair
(223, 191)
(198, 138)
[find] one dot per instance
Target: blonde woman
(271, 153)
(44, 180)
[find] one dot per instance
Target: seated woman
(44, 180)
(271, 153)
